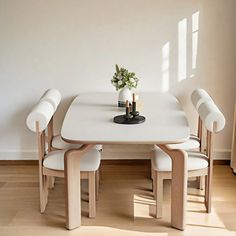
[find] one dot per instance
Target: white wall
(73, 45)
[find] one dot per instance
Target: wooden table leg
(178, 186)
(72, 186)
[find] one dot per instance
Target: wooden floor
(124, 207)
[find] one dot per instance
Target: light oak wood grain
(123, 208)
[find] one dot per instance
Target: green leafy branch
(123, 78)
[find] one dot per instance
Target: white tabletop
(89, 120)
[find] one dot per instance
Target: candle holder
(131, 115)
(134, 112)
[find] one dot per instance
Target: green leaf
(117, 68)
(125, 77)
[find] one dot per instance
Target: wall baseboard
(19, 162)
(122, 162)
(222, 154)
(221, 162)
(18, 155)
(109, 154)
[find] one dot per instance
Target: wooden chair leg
(43, 192)
(51, 182)
(159, 195)
(200, 182)
(206, 191)
(154, 183)
(152, 174)
(97, 183)
(209, 192)
(92, 195)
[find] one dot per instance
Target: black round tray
(122, 119)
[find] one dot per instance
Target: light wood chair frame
(47, 176)
(49, 137)
(199, 179)
(206, 173)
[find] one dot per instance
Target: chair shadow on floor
(130, 208)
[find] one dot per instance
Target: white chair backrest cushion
(42, 113)
(52, 96)
(210, 114)
(200, 96)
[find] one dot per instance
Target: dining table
(89, 121)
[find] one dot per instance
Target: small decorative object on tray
(131, 115)
(124, 81)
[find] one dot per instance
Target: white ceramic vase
(124, 94)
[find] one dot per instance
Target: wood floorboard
(124, 208)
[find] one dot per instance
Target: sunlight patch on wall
(195, 28)
(182, 50)
(166, 67)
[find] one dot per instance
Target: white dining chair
(199, 164)
(198, 97)
(194, 142)
(51, 163)
(55, 141)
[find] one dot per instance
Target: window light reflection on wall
(182, 50)
(195, 28)
(165, 66)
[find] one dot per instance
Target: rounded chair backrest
(200, 96)
(41, 113)
(210, 114)
(52, 96)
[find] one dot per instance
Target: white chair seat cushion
(59, 143)
(191, 144)
(90, 161)
(162, 162)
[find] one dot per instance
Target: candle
(134, 97)
(127, 109)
